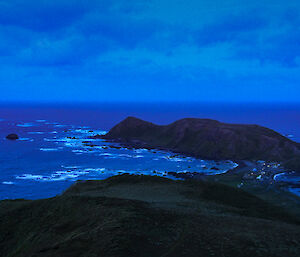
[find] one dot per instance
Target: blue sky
(150, 50)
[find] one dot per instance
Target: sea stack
(12, 137)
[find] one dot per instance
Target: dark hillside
(147, 216)
(208, 139)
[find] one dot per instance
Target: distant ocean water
(54, 149)
(284, 118)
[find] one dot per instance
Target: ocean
(55, 150)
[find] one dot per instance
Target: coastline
(126, 211)
(241, 176)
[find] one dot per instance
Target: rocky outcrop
(205, 138)
(12, 137)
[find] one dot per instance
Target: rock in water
(12, 137)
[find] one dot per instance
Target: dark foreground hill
(147, 216)
(208, 139)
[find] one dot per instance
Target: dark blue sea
(54, 149)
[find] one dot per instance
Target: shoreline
(244, 170)
(236, 177)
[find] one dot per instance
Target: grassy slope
(147, 216)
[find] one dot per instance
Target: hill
(133, 216)
(207, 139)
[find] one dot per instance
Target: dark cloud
(279, 44)
(101, 39)
(253, 36)
(127, 32)
(41, 15)
(229, 29)
(62, 32)
(282, 49)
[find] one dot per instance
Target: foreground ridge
(132, 215)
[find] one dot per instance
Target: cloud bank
(149, 50)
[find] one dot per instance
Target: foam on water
(70, 167)
(290, 177)
(277, 176)
(173, 159)
(26, 125)
(29, 176)
(94, 169)
(8, 183)
(51, 123)
(26, 139)
(106, 154)
(49, 149)
(79, 151)
(141, 150)
(56, 176)
(295, 190)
